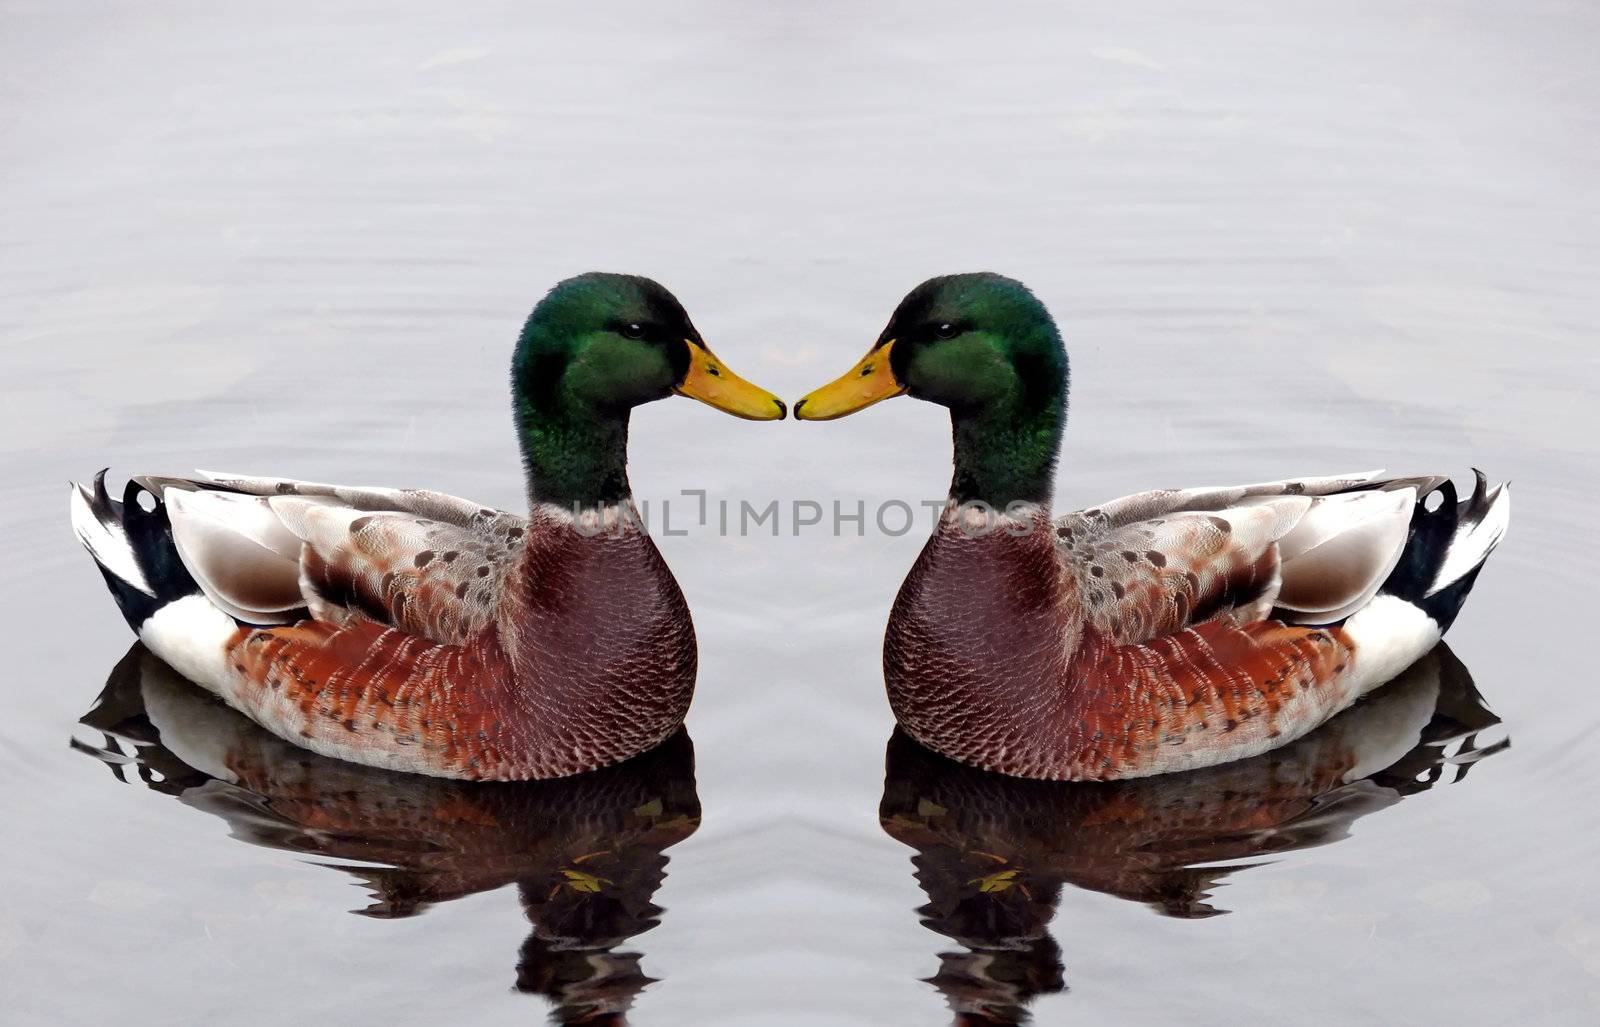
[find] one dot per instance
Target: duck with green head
(416, 631)
(1163, 631)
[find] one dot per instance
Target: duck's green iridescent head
(612, 342)
(963, 341)
(594, 348)
(986, 348)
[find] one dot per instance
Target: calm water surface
(1281, 239)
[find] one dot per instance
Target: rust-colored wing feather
(378, 696)
(1206, 695)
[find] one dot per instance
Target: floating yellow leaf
(998, 881)
(579, 881)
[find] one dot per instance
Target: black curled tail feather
(148, 537)
(1428, 546)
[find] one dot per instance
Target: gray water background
(1281, 238)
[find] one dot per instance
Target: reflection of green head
(984, 346)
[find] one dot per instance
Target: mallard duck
(420, 632)
(1159, 632)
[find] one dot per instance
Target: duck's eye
(945, 330)
(633, 330)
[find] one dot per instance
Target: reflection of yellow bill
(866, 383)
(710, 381)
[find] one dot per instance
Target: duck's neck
(576, 456)
(1005, 449)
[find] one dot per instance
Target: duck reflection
(993, 852)
(586, 853)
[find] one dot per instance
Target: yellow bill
(709, 380)
(869, 382)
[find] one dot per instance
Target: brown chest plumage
(600, 643)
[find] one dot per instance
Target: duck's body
(1165, 631)
(1096, 647)
(427, 633)
(416, 631)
